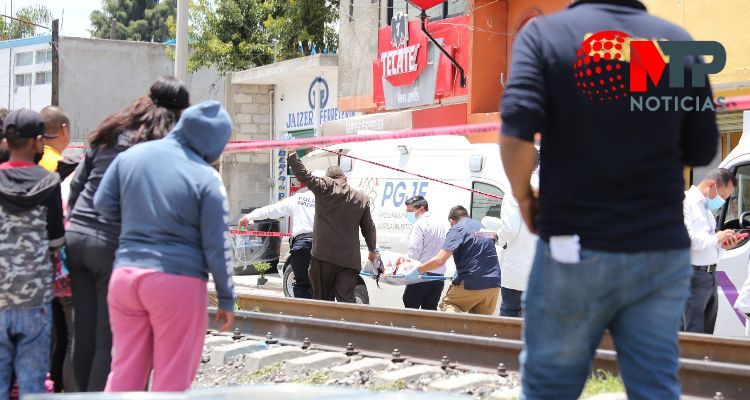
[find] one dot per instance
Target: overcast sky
(73, 14)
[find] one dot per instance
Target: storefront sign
(301, 114)
(412, 71)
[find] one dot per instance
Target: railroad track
(708, 364)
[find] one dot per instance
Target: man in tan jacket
(340, 210)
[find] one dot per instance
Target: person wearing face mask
(425, 240)
(476, 286)
(705, 245)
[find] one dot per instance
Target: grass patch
(389, 387)
(315, 378)
(603, 382)
(263, 373)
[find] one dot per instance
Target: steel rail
(692, 346)
(698, 377)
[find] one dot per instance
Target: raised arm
(316, 185)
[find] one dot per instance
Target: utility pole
(181, 50)
(112, 29)
(55, 63)
(275, 49)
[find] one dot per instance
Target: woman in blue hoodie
(175, 231)
(91, 239)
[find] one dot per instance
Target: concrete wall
(722, 21)
(100, 77)
(358, 47)
(247, 176)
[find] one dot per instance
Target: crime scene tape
(736, 103)
(456, 130)
(414, 174)
(259, 233)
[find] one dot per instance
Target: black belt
(301, 236)
(705, 268)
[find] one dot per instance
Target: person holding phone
(705, 246)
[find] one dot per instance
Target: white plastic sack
(390, 268)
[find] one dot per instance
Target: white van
(450, 159)
(734, 265)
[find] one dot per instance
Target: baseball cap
(24, 124)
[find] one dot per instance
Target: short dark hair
(722, 177)
(16, 143)
(335, 172)
(418, 202)
(458, 213)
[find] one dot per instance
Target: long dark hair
(149, 117)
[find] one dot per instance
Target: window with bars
(43, 78)
(43, 56)
(26, 58)
(449, 8)
(23, 80)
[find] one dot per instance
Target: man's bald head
(335, 172)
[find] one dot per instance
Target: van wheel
(360, 295)
(287, 282)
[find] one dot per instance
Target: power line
(25, 21)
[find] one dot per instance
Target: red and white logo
(601, 66)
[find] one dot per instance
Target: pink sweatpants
(158, 321)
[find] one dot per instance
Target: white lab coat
(743, 302)
(516, 259)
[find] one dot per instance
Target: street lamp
(424, 5)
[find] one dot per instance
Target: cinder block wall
(247, 175)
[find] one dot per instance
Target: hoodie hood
(24, 188)
(205, 128)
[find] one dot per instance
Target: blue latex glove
(412, 276)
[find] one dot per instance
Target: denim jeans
(639, 297)
(510, 302)
(25, 347)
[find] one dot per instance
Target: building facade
(26, 73)
(288, 99)
(379, 78)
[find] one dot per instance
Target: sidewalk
(248, 284)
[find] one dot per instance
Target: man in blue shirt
(613, 250)
(477, 283)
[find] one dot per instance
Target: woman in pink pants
(173, 209)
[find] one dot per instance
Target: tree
(238, 34)
(15, 29)
(141, 20)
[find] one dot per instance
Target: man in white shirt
(301, 207)
(705, 246)
(425, 241)
(519, 248)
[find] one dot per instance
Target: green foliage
(389, 387)
(603, 382)
(141, 20)
(239, 34)
(262, 267)
(315, 378)
(12, 29)
(263, 374)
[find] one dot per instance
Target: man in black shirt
(613, 250)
